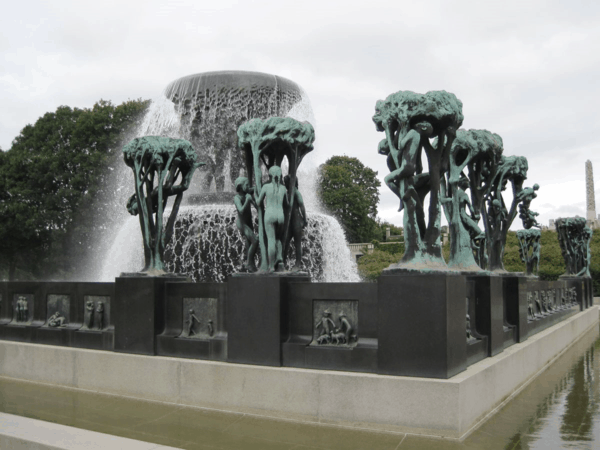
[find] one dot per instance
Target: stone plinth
(422, 324)
(139, 312)
(447, 408)
(257, 317)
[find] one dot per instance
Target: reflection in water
(579, 406)
(567, 416)
(558, 410)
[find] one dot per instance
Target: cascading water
(207, 109)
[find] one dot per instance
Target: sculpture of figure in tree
(497, 216)
(274, 194)
(463, 227)
(409, 120)
(265, 144)
(529, 249)
(298, 221)
(574, 238)
(243, 201)
(468, 219)
(406, 161)
(479, 152)
(527, 216)
(162, 167)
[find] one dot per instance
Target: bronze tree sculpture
(162, 167)
(409, 121)
(478, 152)
(266, 143)
(574, 237)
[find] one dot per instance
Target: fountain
(421, 319)
(206, 109)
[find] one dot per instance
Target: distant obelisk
(589, 190)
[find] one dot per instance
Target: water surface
(558, 410)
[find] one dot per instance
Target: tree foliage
(49, 181)
(349, 191)
(552, 264)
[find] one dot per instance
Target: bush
(371, 265)
(393, 248)
(552, 264)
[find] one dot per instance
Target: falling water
(206, 244)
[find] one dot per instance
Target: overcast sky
(527, 70)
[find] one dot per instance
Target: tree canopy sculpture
(162, 167)
(478, 151)
(574, 238)
(529, 238)
(497, 217)
(409, 121)
(529, 249)
(265, 144)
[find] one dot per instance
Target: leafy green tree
(349, 191)
(50, 180)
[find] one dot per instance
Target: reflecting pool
(559, 409)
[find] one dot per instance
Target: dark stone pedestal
(22, 331)
(589, 292)
(422, 324)
(581, 287)
(18, 333)
(54, 336)
(207, 300)
(257, 317)
(138, 313)
(306, 303)
(546, 301)
(93, 339)
(489, 307)
(515, 303)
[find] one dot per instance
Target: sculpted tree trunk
(409, 120)
(162, 167)
(265, 144)
(478, 151)
(574, 238)
(497, 217)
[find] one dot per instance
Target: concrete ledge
(18, 433)
(447, 408)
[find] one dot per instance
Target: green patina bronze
(266, 143)
(497, 217)
(527, 216)
(529, 238)
(162, 167)
(574, 237)
(409, 121)
(529, 249)
(478, 152)
(243, 201)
